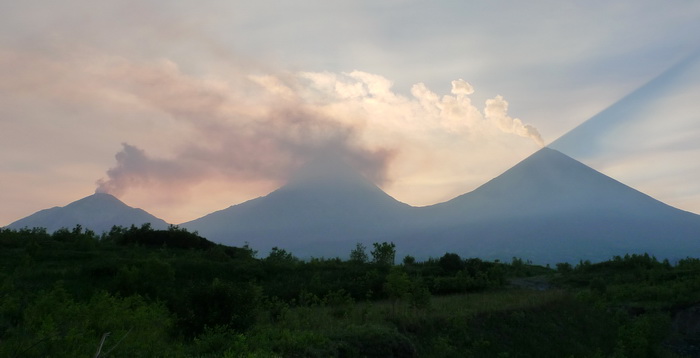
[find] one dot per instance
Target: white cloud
(445, 144)
(461, 87)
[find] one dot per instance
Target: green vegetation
(139, 292)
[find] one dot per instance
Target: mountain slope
(552, 208)
(323, 211)
(97, 212)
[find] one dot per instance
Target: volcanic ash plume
(233, 136)
(267, 126)
(497, 111)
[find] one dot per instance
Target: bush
(220, 303)
(56, 325)
(373, 341)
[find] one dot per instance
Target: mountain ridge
(548, 208)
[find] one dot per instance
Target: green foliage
(339, 302)
(419, 295)
(384, 254)
(451, 263)
(359, 254)
(152, 277)
(373, 341)
(401, 288)
(580, 330)
(276, 308)
(54, 324)
(219, 341)
(598, 285)
(564, 267)
(397, 285)
(642, 336)
(281, 257)
(172, 293)
(10, 239)
(174, 237)
(219, 303)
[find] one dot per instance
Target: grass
(449, 327)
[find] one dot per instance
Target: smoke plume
(497, 111)
(260, 128)
(265, 126)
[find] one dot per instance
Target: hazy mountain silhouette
(322, 211)
(552, 208)
(548, 208)
(97, 212)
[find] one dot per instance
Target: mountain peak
(327, 170)
(97, 199)
(549, 208)
(97, 212)
(549, 179)
(549, 157)
(326, 205)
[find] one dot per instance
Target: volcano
(323, 211)
(97, 212)
(548, 208)
(551, 208)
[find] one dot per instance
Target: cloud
(257, 128)
(372, 96)
(444, 144)
(461, 87)
(266, 126)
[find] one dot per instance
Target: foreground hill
(97, 212)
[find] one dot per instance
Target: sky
(183, 108)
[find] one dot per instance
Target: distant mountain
(551, 208)
(97, 212)
(323, 211)
(548, 208)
